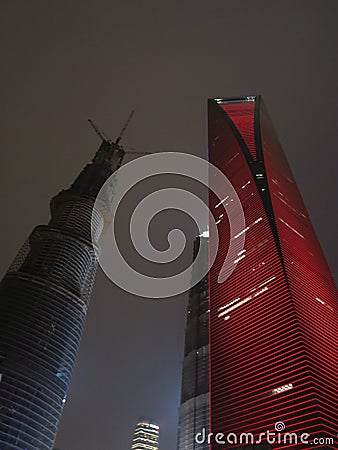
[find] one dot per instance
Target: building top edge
(226, 100)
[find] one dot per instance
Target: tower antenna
(97, 131)
(125, 127)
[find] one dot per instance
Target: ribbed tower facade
(194, 411)
(43, 305)
(146, 435)
(273, 322)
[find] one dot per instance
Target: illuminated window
(241, 232)
(318, 299)
(239, 258)
(247, 228)
(291, 228)
(280, 389)
(245, 185)
(222, 201)
(240, 303)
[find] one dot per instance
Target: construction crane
(118, 147)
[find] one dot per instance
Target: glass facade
(273, 322)
(43, 304)
(194, 411)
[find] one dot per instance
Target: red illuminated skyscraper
(273, 322)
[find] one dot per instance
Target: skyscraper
(273, 322)
(146, 435)
(43, 304)
(195, 399)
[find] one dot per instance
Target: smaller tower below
(146, 435)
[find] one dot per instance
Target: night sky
(63, 62)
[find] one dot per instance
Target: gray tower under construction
(43, 305)
(194, 411)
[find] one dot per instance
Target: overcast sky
(62, 62)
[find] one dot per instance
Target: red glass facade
(273, 322)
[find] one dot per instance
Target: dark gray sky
(62, 62)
